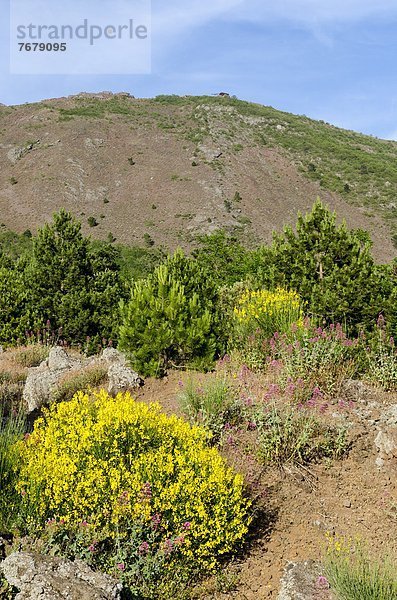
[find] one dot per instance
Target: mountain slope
(167, 169)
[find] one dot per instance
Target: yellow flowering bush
(257, 315)
(111, 463)
(270, 311)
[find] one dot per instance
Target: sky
(334, 60)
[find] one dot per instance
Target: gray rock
(386, 443)
(59, 359)
(112, 356)
(39, 387)
(40, 577)
(390, 415)
(122, 379)
(42, 381)
(210, 152)
(304, 581)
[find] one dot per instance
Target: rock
(122, 379)
(42, 381)
(39, 387)
(59, 359)
(304, 581)
(386, 443)
(210, 152)
(112, 356)
(40, 577)
(390, 415)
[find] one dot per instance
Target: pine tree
(73, 285)
(165, 323)
(330, 266)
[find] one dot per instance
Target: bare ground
(349, 497)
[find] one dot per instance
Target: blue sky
(334, 60)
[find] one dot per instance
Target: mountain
(164, 170)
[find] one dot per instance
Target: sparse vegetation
(92, 222)
(12, 427)
(288, 435)
(356, 575)
(76, 382)
(212, 405)
(149, 242)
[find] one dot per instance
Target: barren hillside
(175, 167)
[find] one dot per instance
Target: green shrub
(213, 405)
(381, 358)
(129, 487)
(12, 427)
(147, 238)
(330, 267)
(166, 323)
(92, 222)
(321, 357)
(14, 302)
(73, 282)
(355, 575)
(295, 435)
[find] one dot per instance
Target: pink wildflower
(322, 582)
(143, 548)
(156, 520)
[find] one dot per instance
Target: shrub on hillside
(109, 472)
(168, 320)
(330, 267)
(317, 357)
(212, 405)
(14, 300)
(66, 279)
(356, 575)
(295, 435)
(381, 357)
(257, 315)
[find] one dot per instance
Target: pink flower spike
(322, 583)
(143, 548)
(121, 566)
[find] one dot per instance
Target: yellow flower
(95, 458)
